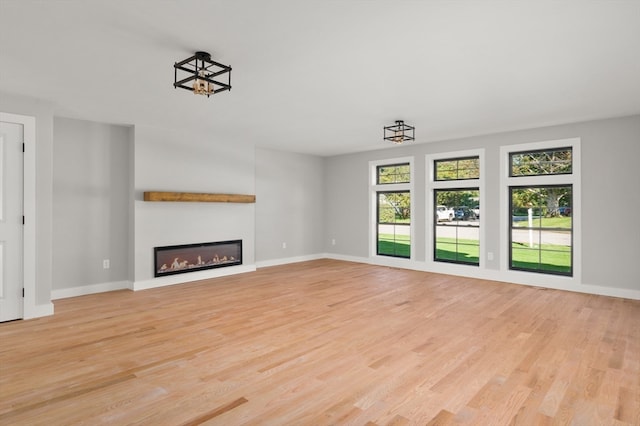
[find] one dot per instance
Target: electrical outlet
(106, 264)
(284, 245)
(490, 255)
(333, 242)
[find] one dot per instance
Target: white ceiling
(324, 77)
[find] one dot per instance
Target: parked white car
(444, 213)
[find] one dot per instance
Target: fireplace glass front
(171, 260)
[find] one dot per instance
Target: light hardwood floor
(326, 342)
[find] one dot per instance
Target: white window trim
(431, 186)
(373, 190)
(574, 179)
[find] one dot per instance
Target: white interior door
(11, 220)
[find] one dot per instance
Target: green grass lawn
(544, 258)
(546, 222)
(394, 245)
(458, 250)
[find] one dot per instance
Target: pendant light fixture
(204, 76)
(399, 133)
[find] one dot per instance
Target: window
(391, 200)
(540, 234)
(541, 162)
(395, 173)
(457, 226)
(457, 169)
(541, 192)
(456, 209)
(394, 224)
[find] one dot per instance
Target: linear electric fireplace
(171, 260)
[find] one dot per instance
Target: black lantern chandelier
(203, 75)
(399, 132)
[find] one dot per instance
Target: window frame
(532, 151)
(432, 185)
(378, 223)
(374, 188)
(436, 224)
(562, 179)
(540, 230)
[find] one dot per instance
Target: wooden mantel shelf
(198, 197)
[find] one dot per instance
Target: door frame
(29, 208)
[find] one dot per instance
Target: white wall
(88, 167)
(185, 161)
(90, 206)
(610, 150)
(308, 201)
(346, 199)
(289, 206)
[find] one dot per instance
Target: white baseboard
(286, 260)
(558, 283)
(513, 277)
(64, 293)
(39, 311)
(191, 276)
